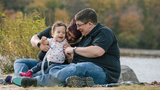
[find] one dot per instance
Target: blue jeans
(58, 74)
(23, 65)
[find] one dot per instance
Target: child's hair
(58, 24)
(73, 29)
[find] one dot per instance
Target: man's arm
(89, 52)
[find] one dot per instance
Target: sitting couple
(94, 58)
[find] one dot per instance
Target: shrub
(127, 40)
(15, 38)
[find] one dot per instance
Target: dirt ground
(123, 87)
(15, 87)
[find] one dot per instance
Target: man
(95, 61)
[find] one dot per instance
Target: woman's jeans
(23, 65)
(58, 74)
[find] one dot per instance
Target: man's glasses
(79, 25)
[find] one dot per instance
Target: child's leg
(26, 74)
(38, 67)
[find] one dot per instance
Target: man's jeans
(58, 74)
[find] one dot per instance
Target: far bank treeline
(134, 22)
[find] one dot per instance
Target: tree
(1, 9)
(130, 20)
(16, 4)
(61, 15)
(52, 5)
(150, 37)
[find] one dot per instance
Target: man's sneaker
(26, 74)
(76, 81)
(25, 81)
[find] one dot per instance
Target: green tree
(16, 4)
(127, 41)
(61, 15)
(150, 37)
(52, 5)
(130, 21)
(1, 10)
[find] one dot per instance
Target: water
(146, 69)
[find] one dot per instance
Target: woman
(73, 36)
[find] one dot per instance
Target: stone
(127, 74)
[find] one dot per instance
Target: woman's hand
(44, 47)
(44, 40)
(44, 44)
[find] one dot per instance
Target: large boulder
(127, 74)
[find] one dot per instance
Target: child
(55, 55)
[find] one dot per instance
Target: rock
(127, 74)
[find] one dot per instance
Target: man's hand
(69, 57)
(69, 51)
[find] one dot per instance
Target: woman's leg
(23, 65)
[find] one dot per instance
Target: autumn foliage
(134, 22)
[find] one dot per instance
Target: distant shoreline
(139, 52)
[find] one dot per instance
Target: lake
(146, 69)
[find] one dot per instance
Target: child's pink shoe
(26, 74)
